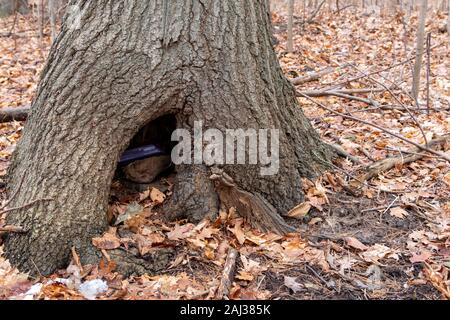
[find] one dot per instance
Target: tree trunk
(448, 21)
(52, 8)
(420, 44)
(125, 64)
(290, 39)
(8, 7)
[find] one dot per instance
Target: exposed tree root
(253, 207)
(193, 197)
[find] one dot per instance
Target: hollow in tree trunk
(124, 64)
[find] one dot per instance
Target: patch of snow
(91, 289)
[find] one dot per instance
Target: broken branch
(324, 93)
(389, 163)
(315, 12)
(12, 229)
(421, 147)
(228, 274)
(313, 76)
(382, 70)
(24, 206)
(14, 114)
(342, 153)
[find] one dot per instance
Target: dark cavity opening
(157, 132)
(147, 156)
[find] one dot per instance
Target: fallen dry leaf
(376, 252)
(238, 232)
(181, 232)
(398, 212)
(300, 211)
(422, 257)
(292, 284)
(157, 196)
(107, 242)
(131, 210)
(355, 243)
(315, 221)
(59, 291)
(144, 195)
(245, 276)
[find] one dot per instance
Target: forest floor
(385, 238)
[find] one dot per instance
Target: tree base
(252, 206)
(214, 65)
(194, 197)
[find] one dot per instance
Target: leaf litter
(391, 241)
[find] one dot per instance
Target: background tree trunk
(130, 63)
(448, 21)
(420, 44)
(8, 7)
(290, 40)
(52, 8)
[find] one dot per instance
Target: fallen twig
(14, 114)
(421, 147)
(389, 163)
(324, 93)
(227, 274)
(335, 85)
(350, 97)
(366, 153)
(312, 76)
(338, 11)
(13, 195)
(24, 206)
(12, 229)
(341, 152)
(344, 82)
(315, 12)
(397, 99)
(398, 108)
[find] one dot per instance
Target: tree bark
(52, 8)
(290, 40)
(130, 62)
(420, 43)
(8, 7)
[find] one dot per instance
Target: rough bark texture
(131, 62)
